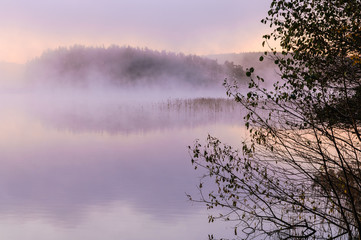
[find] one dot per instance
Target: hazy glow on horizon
(198, 27)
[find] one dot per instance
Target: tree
(299, 175)
(127, 66)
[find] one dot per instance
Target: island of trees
(127, 66)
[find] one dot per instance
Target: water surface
(102, 167)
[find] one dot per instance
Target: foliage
(126, 66)
(299, 175)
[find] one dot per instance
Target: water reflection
(71, 167)
(141, 117)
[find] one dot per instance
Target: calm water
(99, 167)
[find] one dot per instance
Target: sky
(190, 26)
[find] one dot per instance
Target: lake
(104, 166)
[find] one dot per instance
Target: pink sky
(198, 26)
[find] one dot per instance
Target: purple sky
(197, 26)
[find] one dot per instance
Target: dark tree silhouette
(299, 175)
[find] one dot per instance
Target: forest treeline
(265, 68)
(128, 66)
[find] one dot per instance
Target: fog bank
(126, 67)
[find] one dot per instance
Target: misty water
(107, 164)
